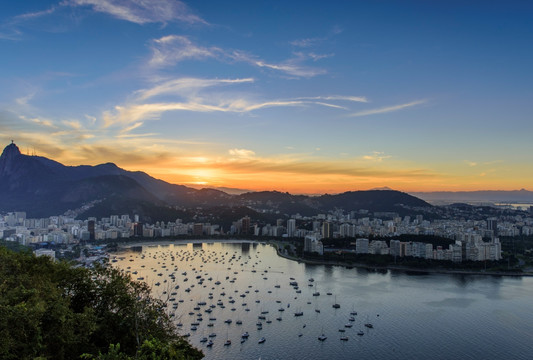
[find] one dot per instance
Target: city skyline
(304, 97)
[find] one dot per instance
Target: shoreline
(323, 262)
(402, 268)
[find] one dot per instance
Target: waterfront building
(361, 246)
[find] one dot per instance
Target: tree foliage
(52, 310)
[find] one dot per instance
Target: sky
(301, 96)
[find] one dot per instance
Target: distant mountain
(372, 200)
(43, 187)
(491, 196)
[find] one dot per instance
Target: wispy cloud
(317, 57)
(293, 66)
(387, 109)
(171, 49)
(241, 153)
(337, 97)
(136, 112)
(307, 42)
(142, 11)
(186, 86)
(200, 95)
(377, 156)
(35, 14)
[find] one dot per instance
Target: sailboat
(336, 306)
(316, 293)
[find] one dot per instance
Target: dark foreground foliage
(51, 310)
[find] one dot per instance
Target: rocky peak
(9, 157)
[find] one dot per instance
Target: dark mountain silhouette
(43, 187)
(487, 196)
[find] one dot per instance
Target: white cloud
(186, 86)
(171, 49)
(376, 156)
(143, 11)
(35, 14)
(317, 57)
(242, 153)
(308, 42)
(337, 97)
(387, 109)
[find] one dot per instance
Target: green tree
(53, 310)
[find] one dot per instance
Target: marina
(235, 291)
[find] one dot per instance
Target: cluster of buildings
(472, 250)
(475, 240)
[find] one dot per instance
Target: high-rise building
(90, 228)
(291, 228)
(327, 230)
(245, 225)
(492, 224)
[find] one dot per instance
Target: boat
(322, 337)
(245, 335)
(204, 339)
(369, 325)
(360, 333)
(344, 338)
(336, 306)
(227, 342)
(262, 340)
(209, 343)
(299, 313)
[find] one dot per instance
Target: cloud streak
(142, 11)
(186, 86)
(172, 49)
(387, 109)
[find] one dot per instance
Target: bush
(53, 310)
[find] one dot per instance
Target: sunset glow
(304, 97)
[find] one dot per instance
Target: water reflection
(417, 313)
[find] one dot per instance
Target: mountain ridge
(44, 187)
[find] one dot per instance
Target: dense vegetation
(51, 310)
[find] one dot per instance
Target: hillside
(44, 187)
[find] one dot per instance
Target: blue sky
(296, 96)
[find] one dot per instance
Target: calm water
(413, 316)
